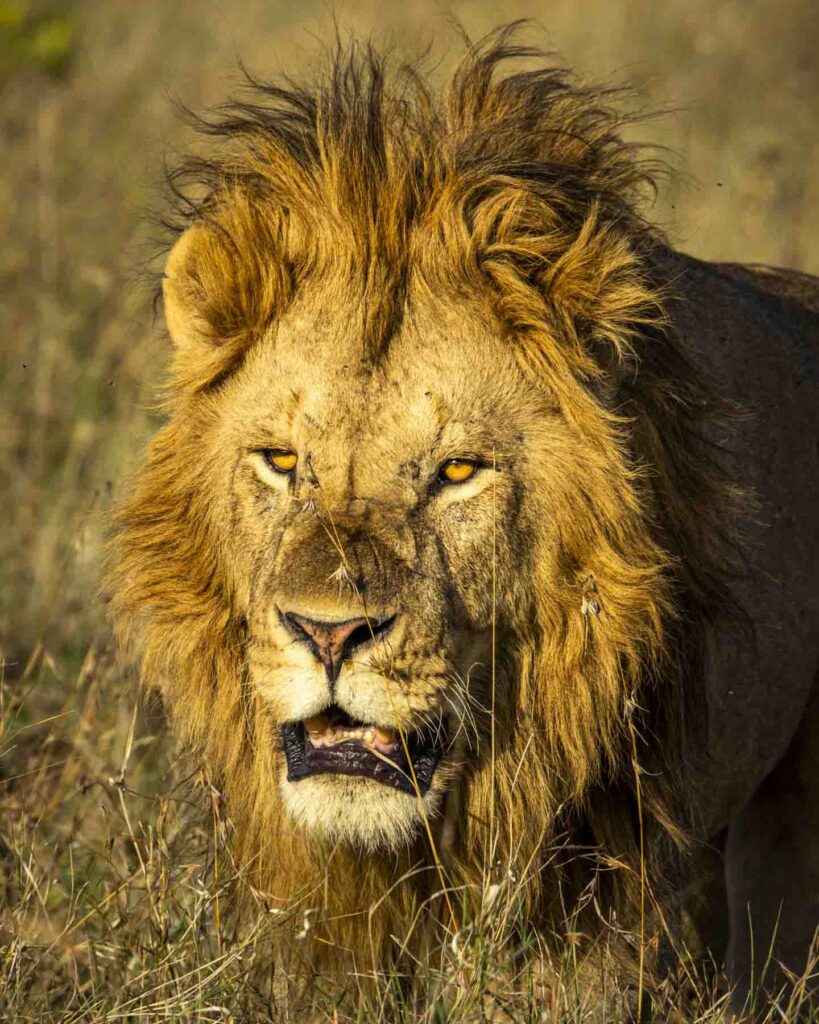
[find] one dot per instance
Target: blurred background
(87, 119)
(109, 894)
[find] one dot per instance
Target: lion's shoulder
(754, 327)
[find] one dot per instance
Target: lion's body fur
(517, 190)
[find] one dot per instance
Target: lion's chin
(362, 784)
(359, 812)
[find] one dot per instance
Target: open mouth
(333, 743)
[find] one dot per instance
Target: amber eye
(281, 460)
(458, 471)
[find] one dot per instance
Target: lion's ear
(225, 280)
(210, 325)
(183, 290)
(600, 289)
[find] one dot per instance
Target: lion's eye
(280, 460)
(458, 471)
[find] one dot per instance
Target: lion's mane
(516, 183)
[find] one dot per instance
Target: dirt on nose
(325, 562)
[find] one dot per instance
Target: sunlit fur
(509, 204)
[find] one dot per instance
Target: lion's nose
(334, 642)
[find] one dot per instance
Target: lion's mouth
(333, 743)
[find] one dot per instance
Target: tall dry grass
(114, 902)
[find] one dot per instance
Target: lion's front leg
(772, 876)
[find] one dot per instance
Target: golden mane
(517, 185)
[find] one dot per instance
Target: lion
(481, 539)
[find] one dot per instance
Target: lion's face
(374, 520)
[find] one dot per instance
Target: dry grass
(114, 903)
(118, 882)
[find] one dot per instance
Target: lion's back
(778, 282)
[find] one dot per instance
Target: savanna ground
(113, 903)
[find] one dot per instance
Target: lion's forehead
(446, 379)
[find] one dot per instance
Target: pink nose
(333, 642)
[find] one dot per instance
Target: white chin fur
(357, 812)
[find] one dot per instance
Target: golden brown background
(86, 121)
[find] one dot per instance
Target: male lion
(482, 537)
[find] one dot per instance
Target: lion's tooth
(322, 732)
(317, 724)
